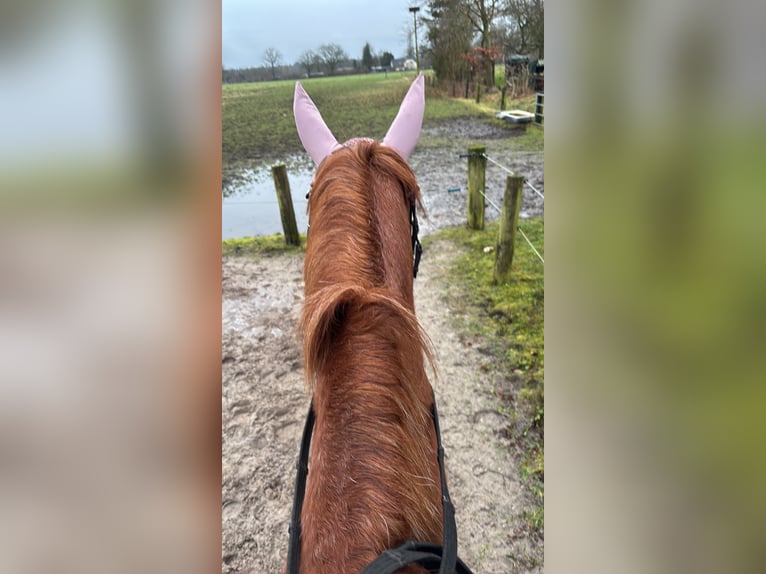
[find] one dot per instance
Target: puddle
(252, 209)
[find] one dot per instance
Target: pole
(477, 165)
(414, 10)
(286, 211)
(506, 235)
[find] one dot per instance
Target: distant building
(402, 64)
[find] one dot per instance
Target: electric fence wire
(492, 203)
(512, 173)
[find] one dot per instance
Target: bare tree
(318, 61)
(332, 55)
(527, 26)
(272, 58)
(309, 60)
(482, 15)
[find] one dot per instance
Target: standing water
(252, 209)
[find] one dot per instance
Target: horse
(375, 478)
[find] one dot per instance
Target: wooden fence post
(286, 211)
(506, 235)
(477, 165)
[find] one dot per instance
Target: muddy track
(264, 405)
(264, 402)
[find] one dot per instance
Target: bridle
(442, 559)
(417, 249)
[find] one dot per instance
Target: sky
(249, 27)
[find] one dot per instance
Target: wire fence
(488, 200)
(511, 172)
(524, 235)
(499, 211)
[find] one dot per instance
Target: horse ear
(405, 129)
(316, 137)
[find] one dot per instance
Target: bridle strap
(417, 249)
(427, 555)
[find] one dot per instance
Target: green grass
(531, 138)
(508, 318)
(258, 120)
(266, 245)
(259, 129)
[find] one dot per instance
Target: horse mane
(373, 480)
(355, 193)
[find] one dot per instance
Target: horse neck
(373, 479)
(360, 233)
(391, 214)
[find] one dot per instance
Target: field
(258, 125)
(489, 337)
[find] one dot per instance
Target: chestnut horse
(374, 477)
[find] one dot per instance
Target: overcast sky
(292, 26)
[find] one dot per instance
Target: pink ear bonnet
(319, 142)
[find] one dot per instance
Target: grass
(508, 318)
(267, 245)
(258, 121)
(258, 126)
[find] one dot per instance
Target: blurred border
(654, 308)
(110, 286)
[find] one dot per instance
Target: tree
(450, 36)
(367, 60)
(309, 60)
(332, 55)
(479, 59)
(386, 58)
(272, 58)
(482, 15)
(527, 26)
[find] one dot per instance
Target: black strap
(294, 546)
(427, 555)
(417, 249)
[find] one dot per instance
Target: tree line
(461, 40)
(465, 38)
(327, 59)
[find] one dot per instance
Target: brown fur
(373, 475)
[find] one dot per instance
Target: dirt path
(264, 406)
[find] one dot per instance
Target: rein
(442, 559)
